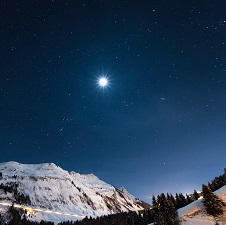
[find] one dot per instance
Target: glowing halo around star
(103, 82)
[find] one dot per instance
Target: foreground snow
(195, 214)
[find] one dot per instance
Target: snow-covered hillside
(47, 186)
(195, 214)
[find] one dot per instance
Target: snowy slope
(50, 187)
(195, 214)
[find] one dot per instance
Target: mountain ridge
(48, 186)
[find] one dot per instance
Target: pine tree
(171, 198)
(196, 195)
(213, 205)
(157, 213)
(145, 218)
(189, 199)
(170, 216)
(154, 202)
(177, 201)
(182, 200)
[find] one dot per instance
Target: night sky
(160, 123)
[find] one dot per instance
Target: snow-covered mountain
(195, 214)
(47, 186)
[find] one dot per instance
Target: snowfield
(195, 214)
(49, 187)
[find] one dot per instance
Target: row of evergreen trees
(179, 200)
(131, 218)
(127, 218)
(165, 206)
(218, 182)
(164, 210)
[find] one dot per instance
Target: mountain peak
(125, 192)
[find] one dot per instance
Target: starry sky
(160, 124)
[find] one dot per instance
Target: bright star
(103, 81)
